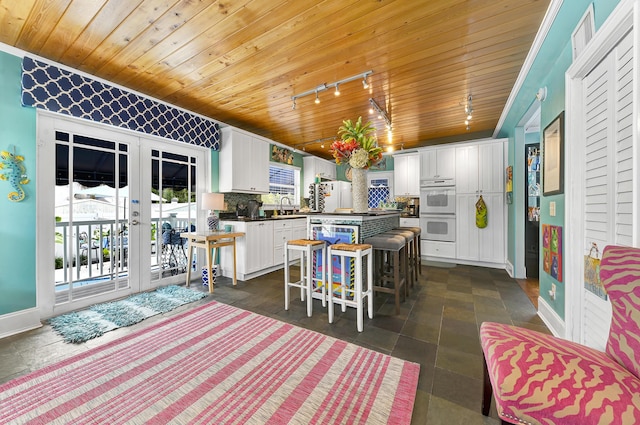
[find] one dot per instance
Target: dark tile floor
(437, 327)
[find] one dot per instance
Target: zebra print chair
(540, 379)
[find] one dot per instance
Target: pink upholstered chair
(540, 379)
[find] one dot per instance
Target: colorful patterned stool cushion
(541, 379)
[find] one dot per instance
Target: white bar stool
(357, 294)
(306, 247)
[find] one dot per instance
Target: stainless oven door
(438, 227)
(438, 200)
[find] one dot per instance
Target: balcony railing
(95, 250)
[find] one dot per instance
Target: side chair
(541, 379)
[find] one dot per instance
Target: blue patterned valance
(48, 87)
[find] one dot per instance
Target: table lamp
(213, 202)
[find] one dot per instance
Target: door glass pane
(91, 243)
(174, 177)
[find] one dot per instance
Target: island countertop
(367, 224)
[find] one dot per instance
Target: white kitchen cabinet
(438, 249)
(438, 163)
(480, 168)
(484, 245)
(254, 251)
(409, 222)
(480, 171)
(406, 175)
(285, 230)
(314, 166)
(244, 162)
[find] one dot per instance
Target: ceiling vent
(583, 32)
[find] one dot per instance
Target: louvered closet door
(608, 96)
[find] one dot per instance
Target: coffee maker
(413, 207)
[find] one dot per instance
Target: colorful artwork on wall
(13, 171)
(552, 251)
(283, 155)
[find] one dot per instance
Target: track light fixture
(468, 110)
(325, 86)
(382, 114)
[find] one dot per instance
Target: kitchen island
(364, 225)
(262, 249)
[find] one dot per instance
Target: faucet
(282, 199)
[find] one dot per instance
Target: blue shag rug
(81, 326)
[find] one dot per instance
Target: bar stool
(358, 252)
(411, 271)
(306, 247)
(417, 250)
(391, 245)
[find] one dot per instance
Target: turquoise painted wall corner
(17, 219)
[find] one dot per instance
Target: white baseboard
(550, 318)
(21, 321)
(509, 268)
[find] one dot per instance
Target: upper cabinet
(480, 168)
(244, 162)
(438, 163)
(313, 167)
(406, 174)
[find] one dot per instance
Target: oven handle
(438, 215)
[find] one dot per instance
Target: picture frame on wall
(553, 157)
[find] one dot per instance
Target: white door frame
(139, 265)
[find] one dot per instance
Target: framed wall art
(553, 157)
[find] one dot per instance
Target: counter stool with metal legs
(306, 247)
(390, 265)
(410, 268)
(416, 255)
(357, 293)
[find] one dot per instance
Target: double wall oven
(438, 209)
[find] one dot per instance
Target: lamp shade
(212, 201)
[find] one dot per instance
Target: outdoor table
(210, 240)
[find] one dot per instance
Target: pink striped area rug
(217, 364)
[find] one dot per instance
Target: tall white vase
(359, 191)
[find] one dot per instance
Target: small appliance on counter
(412, 209)
(330, 196)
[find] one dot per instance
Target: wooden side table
(210, 241)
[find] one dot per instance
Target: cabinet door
(406, 175)
(491, 172)
(226, 253)
(446, 162)
(413, 175)
(258, 167)
(400, 175)
(467, 169)
(428, 164)
(466, 231)
(491, 238)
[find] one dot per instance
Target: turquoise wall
(342, 168)
(17, 219)
(548, 69)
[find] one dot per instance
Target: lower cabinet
(254, 251)
(438, 249)
(486, 244)
(262, 248)
(286, 230)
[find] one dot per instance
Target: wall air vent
(583, 32)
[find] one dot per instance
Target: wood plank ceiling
(241, 61)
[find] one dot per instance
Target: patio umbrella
(104, 191)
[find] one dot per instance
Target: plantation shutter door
(608, 219)
(624, 158)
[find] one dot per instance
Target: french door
(120, 201)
